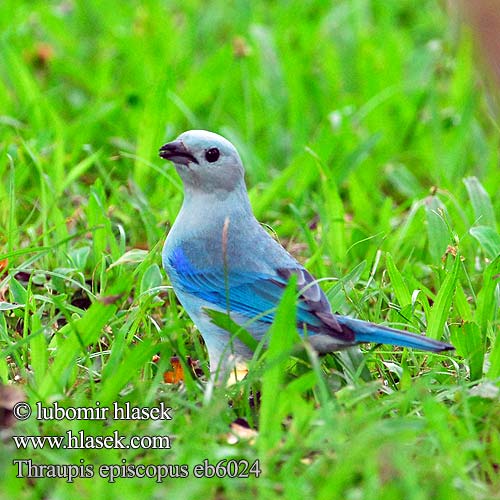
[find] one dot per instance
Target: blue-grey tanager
(219, 257)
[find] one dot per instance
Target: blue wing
(255, 294)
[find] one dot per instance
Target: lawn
(370, 138)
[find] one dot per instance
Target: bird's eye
(212, 155)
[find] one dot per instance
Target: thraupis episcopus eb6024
(219, 257)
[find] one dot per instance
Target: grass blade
(441, 308)
(481, 202)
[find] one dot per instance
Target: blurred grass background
(371, 146)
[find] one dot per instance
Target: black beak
(178, 153)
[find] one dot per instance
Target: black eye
(212, 155)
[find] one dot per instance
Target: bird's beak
(177, 152)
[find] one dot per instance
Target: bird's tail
(378, 334)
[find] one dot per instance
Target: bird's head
(205, 161)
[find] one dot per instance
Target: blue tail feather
(378, 334)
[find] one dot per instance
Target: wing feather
(256, 294)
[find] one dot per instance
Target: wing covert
(255, 294)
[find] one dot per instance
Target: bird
(219, 257)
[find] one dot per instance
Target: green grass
(370, 149)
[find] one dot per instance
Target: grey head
(206, 162)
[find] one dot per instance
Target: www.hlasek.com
(26, 468)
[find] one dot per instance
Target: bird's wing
(255, 294)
